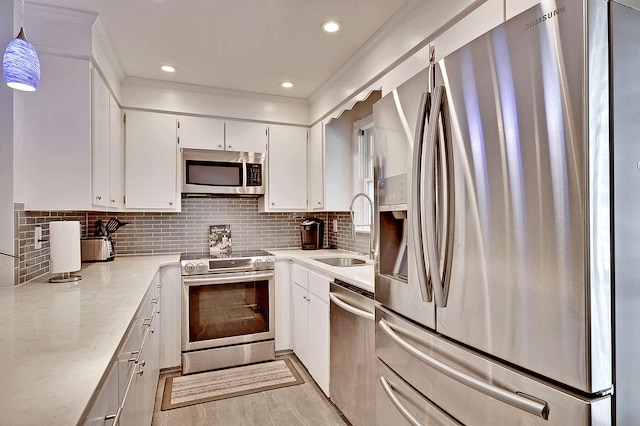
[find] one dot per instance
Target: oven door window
(227, 310)
(213, 173)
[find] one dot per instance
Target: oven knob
(258, 263)
(189, 267)
(268, 264)
(201, 267)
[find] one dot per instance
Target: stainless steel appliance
(228, 314)
(97, 249)
(352, 352)
(222, 172)
(497, 275)
(312, 233)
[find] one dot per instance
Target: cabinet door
(287, 184)
(100, 148)
(107, 403)
(57, 137)
(300, 317)
(201, 133)
(247, 137)
(116, 156)
(170, 317)
(151, 161)
(318, 346)
(283, 303)
(315, 166)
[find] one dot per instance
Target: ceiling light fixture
(286, 84)
(20, 63)
(168, 68)
(331, 26)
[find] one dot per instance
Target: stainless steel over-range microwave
(222, 172)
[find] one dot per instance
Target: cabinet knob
(273, 203)
(229, 147)
(318, 203)
(113, 201)
(170, 203)
(219, 145)
(99, 197)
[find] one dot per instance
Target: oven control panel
(218, 264)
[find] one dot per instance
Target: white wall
(7, 33)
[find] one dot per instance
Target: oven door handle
(239, 278)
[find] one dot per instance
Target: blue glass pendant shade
(20, 64)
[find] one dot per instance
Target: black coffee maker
(312, 233)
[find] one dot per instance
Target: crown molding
(214, 91)
(41, 10)
(101, 36)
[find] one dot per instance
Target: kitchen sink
(341, 261)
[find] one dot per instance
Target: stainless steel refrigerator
(508, 205)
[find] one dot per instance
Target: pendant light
(20, 64)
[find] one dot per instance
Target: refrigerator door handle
(344, 305)
(398, 404)
(531, 405)
(439, 275)
(416, 191)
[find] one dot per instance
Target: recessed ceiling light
(168, 68)
(286, 84)
(331, 26)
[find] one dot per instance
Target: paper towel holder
(64, 251)
(65, 277)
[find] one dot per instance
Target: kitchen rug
(213, 385)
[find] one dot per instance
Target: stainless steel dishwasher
(353, 360)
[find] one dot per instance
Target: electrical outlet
(335, 225)
(37, 243)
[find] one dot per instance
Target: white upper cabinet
(244, 136)
(287, 170)
(315, 165)
(57, 137)
(151, 162)
(329, 166)
(107, 152)
(222, 135)
(201, 133)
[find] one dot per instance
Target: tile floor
(303, 404)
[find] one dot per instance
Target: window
(363, 154)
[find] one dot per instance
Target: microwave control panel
(254, 174)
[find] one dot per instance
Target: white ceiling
(248, 45)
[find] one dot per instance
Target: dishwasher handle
(344, 305)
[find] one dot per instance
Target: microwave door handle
(416, 196)
(244, 173)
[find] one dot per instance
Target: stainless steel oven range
(227, 310)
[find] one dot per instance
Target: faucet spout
(353, 222)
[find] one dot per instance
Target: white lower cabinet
(310, 318)
(127, 396)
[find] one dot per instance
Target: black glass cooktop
(223, 255)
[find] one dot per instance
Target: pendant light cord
(21, 13)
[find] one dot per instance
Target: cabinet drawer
(319, 285)
(300, 276)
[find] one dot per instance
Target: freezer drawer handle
(398, 404)
(359, 312)
(518, 400)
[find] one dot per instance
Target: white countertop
(58, 339)
(361, 276)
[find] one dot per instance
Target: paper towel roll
(64, 238)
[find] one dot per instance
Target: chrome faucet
(353, 222)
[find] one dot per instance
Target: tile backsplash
(147, 232)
